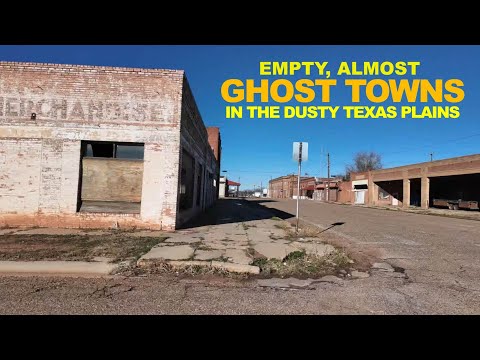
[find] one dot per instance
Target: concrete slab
(179, 252)
(50, 231)
(383, 267)
(238, 256)
(57, 267)
(238, 268)
(259, 238)
(215, 245)
(237, 238)
(186, 239)
(314, 248)
(207, 254)
(238, 247)
(274, 251)
(359, 274)
(280, 241)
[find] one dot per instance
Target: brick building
(416, 184)
(327, 189)
(95, 146)
(215, 141)
(285, 187)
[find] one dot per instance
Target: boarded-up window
(111, 177)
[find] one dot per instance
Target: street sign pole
(300, 153)
(298, 182)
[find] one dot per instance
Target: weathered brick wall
(40, 158)
(194, 139)
(215, 141)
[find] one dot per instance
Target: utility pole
(270, 190)
(328, 177)
(298, 182)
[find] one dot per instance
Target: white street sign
(300, 156)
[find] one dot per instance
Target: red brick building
(416, 184)
(285, 187)
(215, 141)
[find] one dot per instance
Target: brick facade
(215, 141)
(40, 157)
(285, 187)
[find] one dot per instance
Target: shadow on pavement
(332, 225)
(235, 210)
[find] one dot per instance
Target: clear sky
(256, 149)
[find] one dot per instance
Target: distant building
(228, 188)
(327, 189)
(233, 188)
(285, 187)
(419, 184)
(222, 190)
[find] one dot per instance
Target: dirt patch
(118, 246)
(300, 264)
(363, 257)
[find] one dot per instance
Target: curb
(57, 267)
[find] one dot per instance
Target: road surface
(437, 250)
(440, 256)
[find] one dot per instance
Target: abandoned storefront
(450, 183)
(94, 147)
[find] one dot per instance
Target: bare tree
(364, 161)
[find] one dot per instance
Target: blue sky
(256, 149)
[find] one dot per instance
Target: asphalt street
(440, 256)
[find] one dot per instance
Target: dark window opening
(114, 150)
(361, 187)
(187, 177)
(199, 184)
(415, 192)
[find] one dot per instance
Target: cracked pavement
(440, 257)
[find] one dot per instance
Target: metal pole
(298, 183)
(328, 177)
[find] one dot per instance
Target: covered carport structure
(234, 184)
(418, 184)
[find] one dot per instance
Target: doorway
(360, 196)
